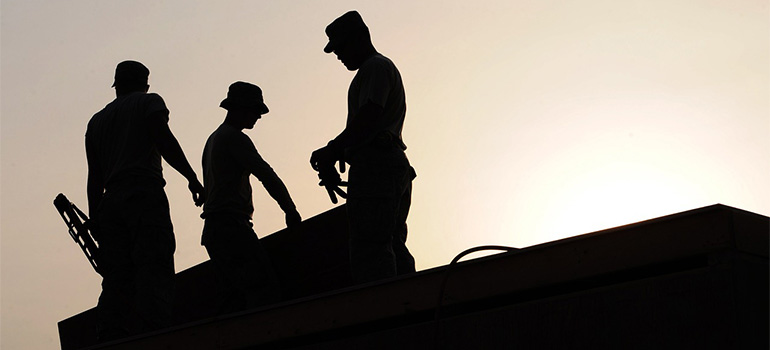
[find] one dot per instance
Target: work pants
(245, 274)
(379, 197)
(136, 259)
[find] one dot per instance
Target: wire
(440, 302)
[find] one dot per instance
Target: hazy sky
(527, 120)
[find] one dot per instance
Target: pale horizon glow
(527, 121)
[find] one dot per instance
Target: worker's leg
(116, 299)
(153, 257)
(117, 269)
(375, 196)
(371, 234)
(404, 259)
(246, 275)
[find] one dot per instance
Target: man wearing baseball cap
(125, 142)
(380, 178)
(229, 159)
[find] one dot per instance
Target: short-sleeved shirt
(229, 158)
(119, 136)
(378, 81)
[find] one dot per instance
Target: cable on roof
(440, 302)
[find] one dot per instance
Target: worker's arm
(375, 84)
(364, 126)
(368, 122)
(95, 182)
(246, 153)
(169, 148)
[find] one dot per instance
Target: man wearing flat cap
(380, 178)
(128, 206)
(229, 159)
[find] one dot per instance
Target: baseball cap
(130, 72)
(342, 28)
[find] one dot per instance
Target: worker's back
(120, 136)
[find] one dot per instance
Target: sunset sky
(528, 120)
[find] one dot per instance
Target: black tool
(77, 224)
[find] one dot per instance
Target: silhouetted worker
(128, 205)
(229, 159)
(380, 178)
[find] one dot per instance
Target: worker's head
(349, 39)
(130, 76)
(244, 104)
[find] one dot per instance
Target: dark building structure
(692, 280)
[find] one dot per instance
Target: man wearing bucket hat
(380, 178)
(229, 158)
(129, 210)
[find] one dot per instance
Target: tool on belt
(77, 224)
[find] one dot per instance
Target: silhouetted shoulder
(226, 132)
(118, 113)
(378, 61)
(147, 104)
(378, 70)
(153, 102)
(226, 137)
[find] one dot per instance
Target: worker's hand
(198, 194)
(321, 157)
(327, 155)
(293, 218)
